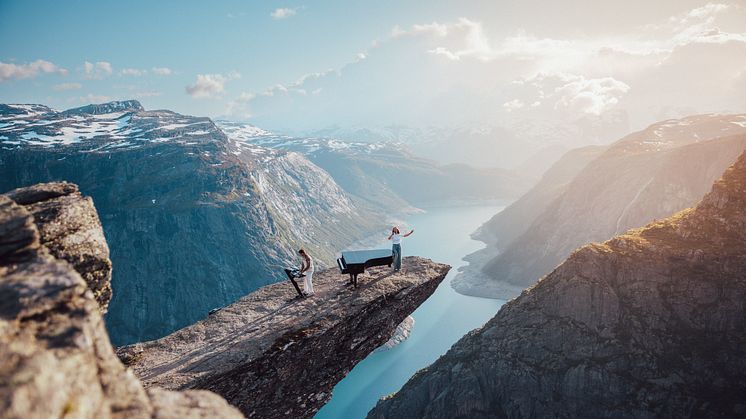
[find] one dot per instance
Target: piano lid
(353, 257)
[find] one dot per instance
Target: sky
(306, 65)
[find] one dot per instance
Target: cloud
(162, 71)
(572, 94)
(67, 86)
(302, 87)
(238, 107)
(297, 87)
(466, 38)
(245, 97)
(91, 98)
(457, 72)
(590, 96)
(513, 105)
(445, 52)
(210, 85)
(99, 70)
(136, 72)
(26, 71)
(148, 93)
(439, 29)
(283, 13)
(463, 38)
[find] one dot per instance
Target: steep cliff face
(195, 220)
(516, 218)
(272, 355)
(55, 355)
(648, 324)
(647, 175)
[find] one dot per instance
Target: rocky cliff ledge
(55, 357)
(272, 355)
(649, 324)
(69, 228)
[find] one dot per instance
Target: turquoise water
(441, 234)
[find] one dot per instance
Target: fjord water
(441, 234)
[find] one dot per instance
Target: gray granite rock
(70, 229)
(272, 355)
(649, 324)
(55, 356)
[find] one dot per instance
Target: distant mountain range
(527, 144)
(593, 194)
(388, 175)
(198, 218)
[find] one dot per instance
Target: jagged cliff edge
(651, 323)
(267, 353)
(55, 355)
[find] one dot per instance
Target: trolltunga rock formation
(272, 355)
(55, 357)
(268, 354)
(651, 323)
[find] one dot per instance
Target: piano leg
(354, 281)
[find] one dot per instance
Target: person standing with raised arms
(395, 238)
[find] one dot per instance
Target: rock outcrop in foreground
(272, 355)
(70, 229)
(651, 323)
(55, 357)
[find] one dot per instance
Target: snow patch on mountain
(247, 134)
(99, 128)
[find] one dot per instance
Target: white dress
(308, 279)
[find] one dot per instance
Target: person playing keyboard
(306, 268)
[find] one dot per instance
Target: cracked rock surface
(55, 357)
(69, 228)
(272, 355)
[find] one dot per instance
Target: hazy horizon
(293, 65)
(492, 83)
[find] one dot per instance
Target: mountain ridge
(388, 175)
(225, 212)
(643, 176)
(647, 324)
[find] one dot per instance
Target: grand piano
(354, 262)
